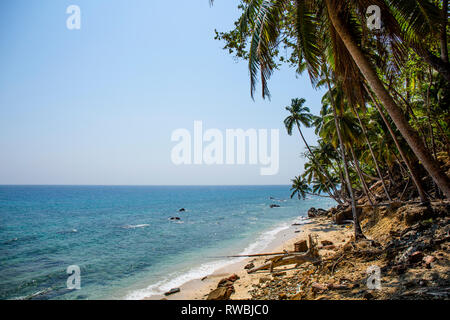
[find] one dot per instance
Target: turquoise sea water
(122, 239)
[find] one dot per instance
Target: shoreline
(198, 289)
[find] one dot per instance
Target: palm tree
(299, 187)
(337, 24)
(299, 114)
(334, 10)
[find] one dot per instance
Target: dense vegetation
(385, 115)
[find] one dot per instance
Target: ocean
(123, 240)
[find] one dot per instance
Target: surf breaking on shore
(264, 240)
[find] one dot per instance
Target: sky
(98, 105)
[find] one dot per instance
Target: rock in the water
(175, 218)
(312, 212)
(172, 291)
(274, 206)
(182, 210)
(221, 293)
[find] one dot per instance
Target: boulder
(312, 212)
(346, 215)
(250, 265)
(274, 206)
(172, 291)
(221, 293)
(415, 257)
(326, 242)
(182, 210)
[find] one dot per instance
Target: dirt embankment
(406, 256)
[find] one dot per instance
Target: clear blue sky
(98, 105)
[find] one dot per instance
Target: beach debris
(428, 260)
(301, 246)
(326, 242)
(274, 206)
(282, 296)
(264, 279)
(312, 255)
(221, 293)
(278, 274)
(224, 288)
(313, 212)
(172, 291)
(317, 287)
(204, 278)
(415, 257)
(249, 266)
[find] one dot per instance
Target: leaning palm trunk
(319, 165)
(360, 175)
(357, 227)
(363, 127)
(369, 73)
(411, 171)
(443, 35)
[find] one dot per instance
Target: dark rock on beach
(172, 291)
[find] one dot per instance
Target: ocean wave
(130, 226)
(176, 279)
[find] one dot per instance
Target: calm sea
(122, 237)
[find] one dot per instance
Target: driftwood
(255, 255)
(312, 255)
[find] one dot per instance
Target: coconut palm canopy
(385, 115)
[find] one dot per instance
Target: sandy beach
(199, 289)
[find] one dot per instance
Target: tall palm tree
(334, 10)
(299, 114)
(299, 188)
(337, 24)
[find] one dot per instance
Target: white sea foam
(177, 279)
(128, 226)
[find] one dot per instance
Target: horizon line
(146, 185)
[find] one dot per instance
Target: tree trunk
(412, 171)
(369, 73)
(443, 38)
(318, 163)
(363, 127)
(357, 227)
(361, 178)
